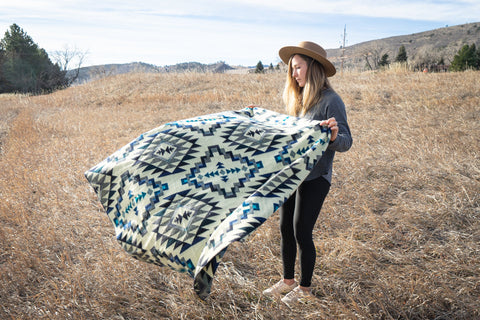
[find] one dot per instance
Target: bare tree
(373, 55)
(367, 61)
(67, 58)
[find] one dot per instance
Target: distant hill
(95, 72)
(219, 67)
(428, 47)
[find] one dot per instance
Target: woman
(308, 94)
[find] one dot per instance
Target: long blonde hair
(299, 100)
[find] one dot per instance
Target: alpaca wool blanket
(181, 193)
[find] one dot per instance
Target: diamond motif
(164, 151)
(182, 218)
(255, 133)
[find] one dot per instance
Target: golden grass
(398, 238)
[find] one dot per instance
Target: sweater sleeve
(331, 105)
(336, 108)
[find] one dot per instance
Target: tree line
(27, 68)
(467, 58)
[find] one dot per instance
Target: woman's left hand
(333, 125)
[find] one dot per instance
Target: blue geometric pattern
(179, 194)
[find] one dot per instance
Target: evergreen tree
(25, 67)
(259, 68)
(402, 54)
(477, 58)
(467, 57)
(384, 61)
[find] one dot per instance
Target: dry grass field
(398, 238)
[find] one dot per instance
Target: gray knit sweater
(331, 105)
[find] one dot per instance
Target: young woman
(308, 94)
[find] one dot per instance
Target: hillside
(101, 71)
(398, 237)
(429, 47)
(96, 72)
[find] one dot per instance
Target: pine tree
(259, 68)
(467, 57)
(24, 66)
(384, 61)
(402, 55)
(477, 58)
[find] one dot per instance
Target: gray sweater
(331, 105)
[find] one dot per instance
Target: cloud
(429, 10)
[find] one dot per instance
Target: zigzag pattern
(179, 194)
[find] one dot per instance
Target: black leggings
(297, 219)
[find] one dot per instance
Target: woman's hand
(332, 124)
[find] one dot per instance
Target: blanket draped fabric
(179, 194)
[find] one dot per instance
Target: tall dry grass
(398, 237)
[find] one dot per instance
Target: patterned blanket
(179, 194)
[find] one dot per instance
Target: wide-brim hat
(312, 50)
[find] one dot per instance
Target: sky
(238, 32)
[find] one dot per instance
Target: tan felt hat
(312, 50)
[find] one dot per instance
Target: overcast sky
(239, 32)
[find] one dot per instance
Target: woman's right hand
(333, 125)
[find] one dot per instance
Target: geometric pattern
(179, 194)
